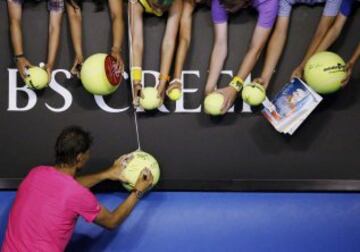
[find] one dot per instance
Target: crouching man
(51, 198)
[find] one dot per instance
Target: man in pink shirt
(50, 199)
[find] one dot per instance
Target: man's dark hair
(71, 142)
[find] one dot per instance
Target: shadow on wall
(85, 242)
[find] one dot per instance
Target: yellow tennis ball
(37, 78)
(140, 161)
(213, 103)
(93, 75)
(174, 94)
(253, 94)
(324, 72)
(150, 99)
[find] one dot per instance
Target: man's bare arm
(93, 179)
(274, 49)
(323, 27)
(15, 13)
(54, 37)
(258, 42)
(112, 173)
(333, 33)
(116, 13)
(75, 20)
(184, 37)
(112, 219)
(135, 13)
(169, 42)
(218, 56)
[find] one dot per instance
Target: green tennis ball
(324, 72)
(174, 94)
(140, 161)
(150, 98)
(37, 78)
(253, 94)
(93, 75)
(213, 104)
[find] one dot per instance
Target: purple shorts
(331, 7)
(346, 6)
(267, 10)
(53, 5)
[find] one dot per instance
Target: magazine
(291, 106)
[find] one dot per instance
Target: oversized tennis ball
(37, 78)
(140, 161)
(213, 104)
(253, 94)
(150, 98)
(174, 94)
(324, 72)
(97, 74)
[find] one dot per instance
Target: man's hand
(119, 61)
(260, 81)
(113, 219)
(115, 172)
(76, 68)
(173, 85)
(144, 182)
(48, 69)
(298, 72)
(229, 94)
(348, 68)
(137, 94)
(22, 64)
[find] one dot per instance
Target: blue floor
(224, 222)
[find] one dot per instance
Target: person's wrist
(137, 85)
(138, 193)
(266, 78)
(162, 84)
(115, 49)
(233, 91)
(136, 75)
(164, 78)
(107, 174)
(19, 57)
(79, 56)
(49, 66)
(264, 81)
(236, 84)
